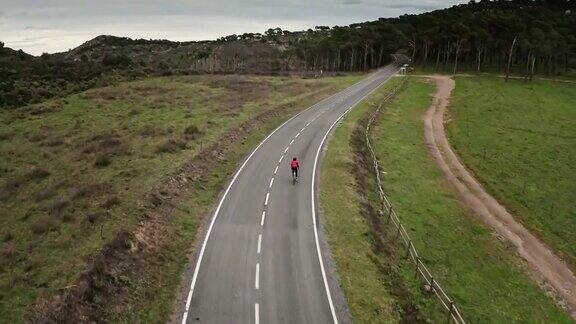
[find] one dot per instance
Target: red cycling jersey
(294, 164)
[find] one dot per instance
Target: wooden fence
(452, 312)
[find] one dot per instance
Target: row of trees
(535, 36)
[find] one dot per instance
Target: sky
(38, 26)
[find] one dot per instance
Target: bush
(58, 206)
(172, 146)
(111, 202)
(102, 161)
(192, 132)
(42, 226)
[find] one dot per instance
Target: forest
(524, 37)
(478, 36)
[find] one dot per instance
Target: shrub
(93, 217)
(58, 206)
(192, 132)
(6, 136)
(42, 226)
(8, 251)
(37, 137)
(172, 146)
(111, 202)
(102, 161)
(36, 173)
(45, 194)
(7, 237)
(87, 190)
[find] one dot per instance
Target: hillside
(84, 176)
(477, 36)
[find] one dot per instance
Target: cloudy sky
(38, 26)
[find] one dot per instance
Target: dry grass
(61, 208)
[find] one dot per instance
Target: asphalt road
(262, 259)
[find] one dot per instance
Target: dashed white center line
(286, 149)
(263, 218)
(281, 158)
(303, 128)
(257, 279)
(256, 313)
(271, 183)
(276, 170)
(266, 201)
(297, 135)
(308, 124)
(259, 243)
(291, 142)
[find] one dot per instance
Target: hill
(477, 36)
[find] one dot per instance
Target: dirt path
(548, 268)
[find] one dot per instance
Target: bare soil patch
(548, 268)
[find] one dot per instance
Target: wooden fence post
(450, 311)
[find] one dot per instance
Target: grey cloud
(413, 6)
(352, 2)
(68, 23)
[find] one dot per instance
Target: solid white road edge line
(313, 183)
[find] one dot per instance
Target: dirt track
(543, 263)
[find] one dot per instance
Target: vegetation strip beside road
(115, 178)
(482, 274)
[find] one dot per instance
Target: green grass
(368, 297)
(519, 139)
(76, 170)
(480, 272)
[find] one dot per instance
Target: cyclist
(295, 165)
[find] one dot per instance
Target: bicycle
(294, 176)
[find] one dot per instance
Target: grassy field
(481, 273)
(368, 294)
(520, 141)
(77, 170)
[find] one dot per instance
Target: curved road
(261, 259)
